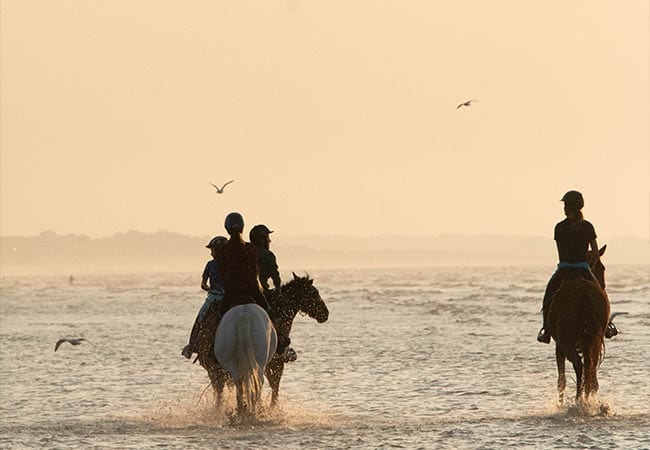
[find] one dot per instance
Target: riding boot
(611, 330)
(191, 347)
(289, 355)
(283, 343)
(187, 351)
(543, 335)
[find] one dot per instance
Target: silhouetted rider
(573, 237)
(238, 270)
(260, 238)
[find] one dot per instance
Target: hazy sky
(332, 116)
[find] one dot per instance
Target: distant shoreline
(165, 251)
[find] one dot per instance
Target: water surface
(410, 358)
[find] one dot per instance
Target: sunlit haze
(333, 117)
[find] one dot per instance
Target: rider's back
(573, 240)
(237, 268)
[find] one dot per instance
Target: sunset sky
(332, 117)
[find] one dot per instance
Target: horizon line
(306, 235)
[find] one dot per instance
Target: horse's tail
(247, 364)
(596, 313)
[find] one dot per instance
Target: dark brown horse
(298, 295)
(577, 320)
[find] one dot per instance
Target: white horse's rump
(244, 344)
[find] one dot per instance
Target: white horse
(244, 344)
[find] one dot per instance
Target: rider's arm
(204, 284)
(275, 275)
(594, 249)
(276, 279)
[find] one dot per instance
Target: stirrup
(186, 352)
(543, 336)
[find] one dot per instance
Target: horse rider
(211, 283)
(268, 266)
(573, 236)
(259, 237)
(237, 266)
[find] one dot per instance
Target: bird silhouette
(467, 103)
(220, 189)
(73, 341)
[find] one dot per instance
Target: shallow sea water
(410, 358)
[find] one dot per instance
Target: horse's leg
(561, 377)
(215, 374)
(274, 373)
(588, 381)
(217, 384)
(591, 372)
(241, 405)
(577, 367)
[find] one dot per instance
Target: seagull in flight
(220, 189)
(467, 103)
(73, 341)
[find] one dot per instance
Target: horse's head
(597, 267)
(306, 297)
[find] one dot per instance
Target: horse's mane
(297, 278)
(296, 282)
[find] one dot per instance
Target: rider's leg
(209, 307)
(191, 345)
(553, 285)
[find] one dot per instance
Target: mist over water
(410, 358)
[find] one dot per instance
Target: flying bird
(467, 103)
(220, 189)
(73, 341)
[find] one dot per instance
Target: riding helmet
(216, 241)
(257, 232)
(574, 198)
(234, 222)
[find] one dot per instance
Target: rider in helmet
(210, 282)
(268, 266)
(259, 237)
(239, 271)
(573, 236)
(238, 267)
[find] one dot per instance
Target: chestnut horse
(577, 320)
(298, 295)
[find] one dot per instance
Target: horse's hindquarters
(248, 323)
(577, 319)
(580, 309)
(245, 342)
